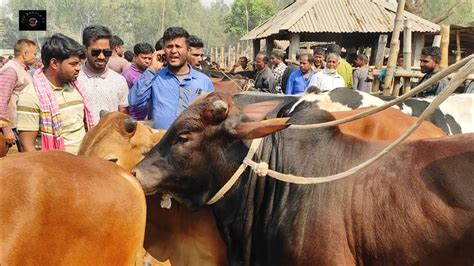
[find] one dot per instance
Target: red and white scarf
(50, 115)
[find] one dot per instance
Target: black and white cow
(455, 115)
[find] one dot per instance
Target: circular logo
(33, 20)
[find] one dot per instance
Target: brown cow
(388, 124)
(3, 144)
(179, 235)
(61, 209)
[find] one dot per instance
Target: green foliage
(140, 20)
(246, 15)
(133, 20)
(462, 15)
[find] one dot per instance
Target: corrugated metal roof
(337, 16)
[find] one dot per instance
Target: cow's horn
(102, 113)
(130, 125)
(219, 109)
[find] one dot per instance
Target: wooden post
(436, 41)
(229, 63)
(407, 54)
(378, 61)
(256, 48)
(222, 62)
(458, 46)
(237, 51)
(269, 45)
(217, 54)
(294, 45)
(394, 47)
(212, 55)
(443, 64)
(418, 44)
(396, 87)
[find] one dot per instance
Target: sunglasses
(97, 52)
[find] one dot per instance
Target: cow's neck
(254, 202)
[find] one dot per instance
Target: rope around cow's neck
(235, 82)
(423, 86)
(261, 168)
(252, 150)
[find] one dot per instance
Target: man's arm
(355, 79)
(123, 96)
(8, 81)
(314, 81)
(289, 85)
(272, 82)
(28, 118)
(141, 90)
(27, 140)
(441, 85)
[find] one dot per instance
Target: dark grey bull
(413, 206)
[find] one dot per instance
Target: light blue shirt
(297, 83)
(169, 95)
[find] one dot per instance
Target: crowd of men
(326, 69)
(53, 107)
(52, 102)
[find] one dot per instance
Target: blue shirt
(168, 95)
(297, 83)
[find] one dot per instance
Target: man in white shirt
(107, 90)
(328, 79)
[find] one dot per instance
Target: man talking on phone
(171, 87)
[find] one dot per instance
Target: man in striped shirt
(277, 57)
(61, 58)
(13, 79)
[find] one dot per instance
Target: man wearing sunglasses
(106, 89)
(173, 87)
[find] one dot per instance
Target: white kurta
(327, 81)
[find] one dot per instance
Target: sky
(207, 3)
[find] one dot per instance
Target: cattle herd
(413, 206)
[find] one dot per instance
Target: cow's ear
(258, 111)
(252, 130)
(103, 113)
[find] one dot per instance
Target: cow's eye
(182, 139)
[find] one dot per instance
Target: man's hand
(27, 140)
(9, 135)
(157, 60)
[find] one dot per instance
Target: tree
(246, 15)
(457, 11)
(133, 20)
